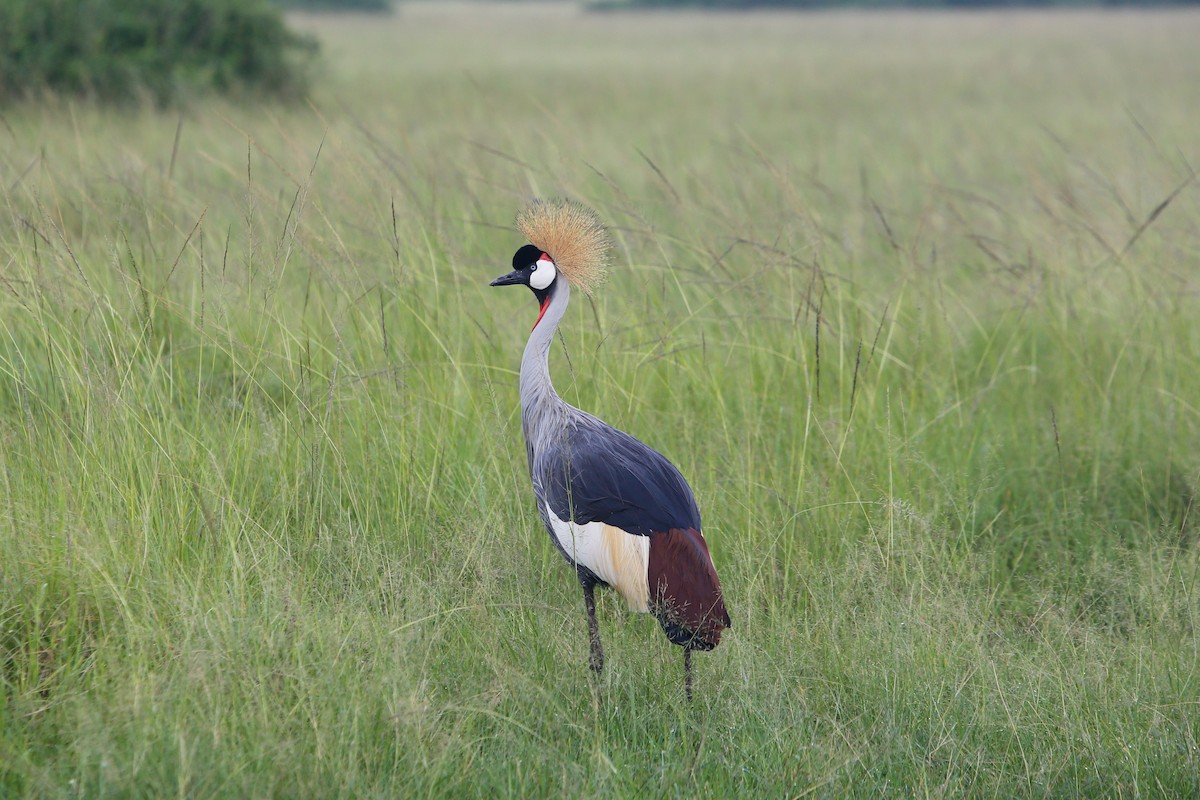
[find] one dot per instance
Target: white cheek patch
(543, 276)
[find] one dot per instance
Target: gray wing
(596, 473)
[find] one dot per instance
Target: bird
(619, 512)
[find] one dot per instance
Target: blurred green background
(910, 298)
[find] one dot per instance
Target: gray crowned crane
(618, 510)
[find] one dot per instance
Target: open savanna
(913, 299)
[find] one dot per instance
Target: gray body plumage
(581, 467)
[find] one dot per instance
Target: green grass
(894, 291)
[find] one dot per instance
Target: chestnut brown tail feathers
(685, 594)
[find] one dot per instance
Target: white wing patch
(618, 558)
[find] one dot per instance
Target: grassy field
(911, 298)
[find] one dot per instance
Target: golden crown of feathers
(573, 236)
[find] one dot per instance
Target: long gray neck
(543, 412)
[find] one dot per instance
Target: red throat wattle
(546, 302)
(542, 313)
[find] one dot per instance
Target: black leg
(687, 672)
(589, 600)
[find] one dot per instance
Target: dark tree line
(374, 6)
(752, 4)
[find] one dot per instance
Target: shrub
(161, 50)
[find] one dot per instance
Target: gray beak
(509, 279)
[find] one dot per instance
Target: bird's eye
(534, 267)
